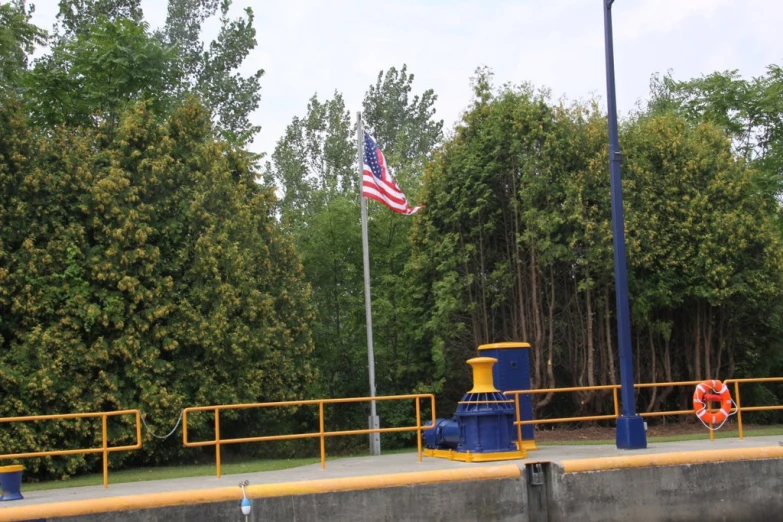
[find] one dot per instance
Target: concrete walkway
(365, 466)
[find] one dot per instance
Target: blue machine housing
(484, 420)
(512, 373)
(487, 422)
(445, 435)
(483, 423)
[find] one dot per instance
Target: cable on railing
(169, 434)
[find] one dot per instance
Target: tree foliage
(94, 76)
(143, 265)
(18, 38)
(315, 167)
(516, 244)
(749, 110)
(105, 57)
(141, 268)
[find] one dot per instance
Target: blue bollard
(11, 482)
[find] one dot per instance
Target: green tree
(315, 161)
(18, 38)
(79, 16)
(314, 167)
(141, 268)
(214, 72)
(404, 125)
(749, 110)
(703, 248)
(105, 53)
(516, 244)
(492, 237)
(91, 78)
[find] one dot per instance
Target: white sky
(309, 46)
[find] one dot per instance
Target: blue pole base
(630, 432)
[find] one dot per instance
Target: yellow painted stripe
(178, 498)
(672, 459)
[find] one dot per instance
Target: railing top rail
(306, 402)
(662, 384)
(638, 385)
(61, 416)
(571, 389)
(754, 379)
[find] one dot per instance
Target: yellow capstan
(482, 374)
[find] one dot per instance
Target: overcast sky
(319, 46)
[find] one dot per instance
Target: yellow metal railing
(741, 408)
(321, 434)
(615, 387)
(105, 449)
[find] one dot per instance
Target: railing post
(519, 421)
(616, 405)
(105, 452)
(138, 428)
(739, 410)
(418, 427)
(185, 427)
(217, 441)
(323, 438)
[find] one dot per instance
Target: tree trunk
(469, 286)
(653, 371)
(697, 344)
(590, 345)
(667, 369)
(708, 344)
(536, 299)
(482, 280)
(550, 372)
(721, 340)
(520, 272)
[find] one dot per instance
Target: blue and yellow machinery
(482, 428)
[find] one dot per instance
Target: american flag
(378, 184)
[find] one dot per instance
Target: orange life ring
(712, 391)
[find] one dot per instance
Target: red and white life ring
(712, 391)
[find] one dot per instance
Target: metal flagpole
(375, 438)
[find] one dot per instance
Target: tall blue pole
(630, 426)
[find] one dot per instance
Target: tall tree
(92, 77)
(129, 61)
(402, 122)
(78, 16)
(214, 72)
(314, 167)
(404, 125)
(141, 268)
(749, 110)
(703, 246)
(18, 38)
(515, 244)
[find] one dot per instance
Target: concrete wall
(641, 488)
(486, 500)
(721, 491)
